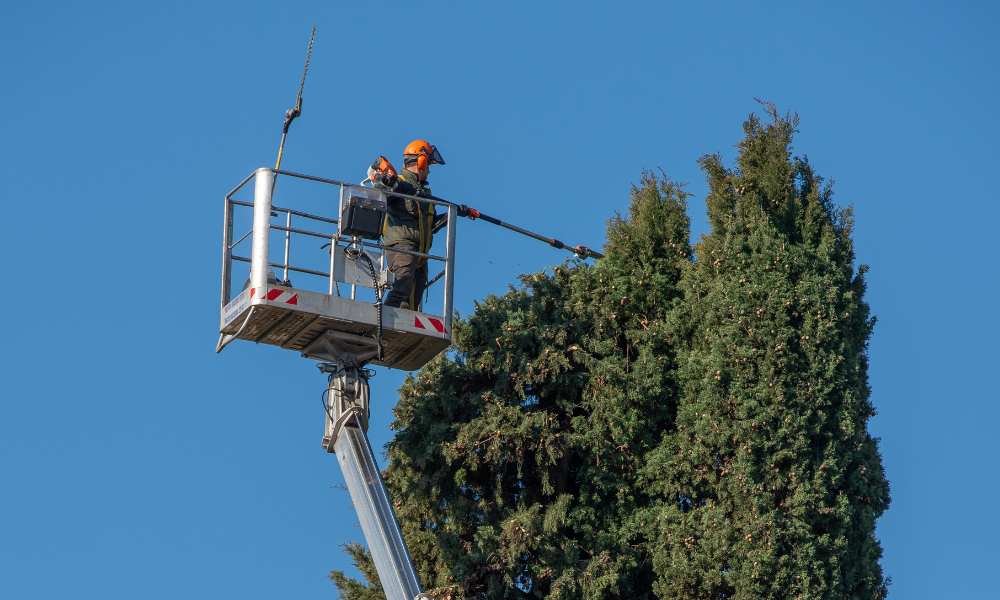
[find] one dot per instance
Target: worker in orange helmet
(409, 224)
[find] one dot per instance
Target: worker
(409, 224)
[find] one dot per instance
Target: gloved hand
(466, 211)
(382, 172)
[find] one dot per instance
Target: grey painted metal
(238, 187)
(242, 237)
(238, 258)
(227, 238)
(267, 331)
(378, 521)
(449, 266)
(300, 329)
(226, 284)
(288, 242)
(262, 188)
(402, 251)
(355, 272)
(302, 213)
(315, 234)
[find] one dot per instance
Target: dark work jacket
(408, 220)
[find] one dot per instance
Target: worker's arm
(463, 211)
(440, 220)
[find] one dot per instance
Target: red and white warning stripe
(425, 322)
(278, 295)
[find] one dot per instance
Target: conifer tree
(770, 483)
(661, 424)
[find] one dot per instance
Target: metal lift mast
(343, 332)
(346, 435)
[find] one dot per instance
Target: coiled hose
(355, 254)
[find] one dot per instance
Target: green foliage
(351, 588)
(655, 425)
(770, 484)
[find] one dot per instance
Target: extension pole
(472, 213)
(580, 250)
(296, 110)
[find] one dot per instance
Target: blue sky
(134, 461)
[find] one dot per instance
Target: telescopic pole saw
(471, 213)
(296, 110)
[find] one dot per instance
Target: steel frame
(238, 312)
(264, 181)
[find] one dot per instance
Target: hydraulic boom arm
(345, 435)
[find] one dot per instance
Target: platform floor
(297, 320)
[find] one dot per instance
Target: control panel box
(362, 212)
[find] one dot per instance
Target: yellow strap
(430, 228)
(421, 228)
(420, 225)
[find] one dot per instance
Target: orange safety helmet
(423, 153)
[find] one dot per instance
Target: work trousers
(411, 277)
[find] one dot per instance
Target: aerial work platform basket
(328, 315)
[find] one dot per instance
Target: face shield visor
(435, 157)
(428, 156)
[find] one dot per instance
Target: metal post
(333, 253)
(227, 251)
(262, 188)
(288, 240)
(449, 267)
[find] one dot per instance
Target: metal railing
(305, 224)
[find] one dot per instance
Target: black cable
(324, 397)
(356, 254)
(326, 405)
